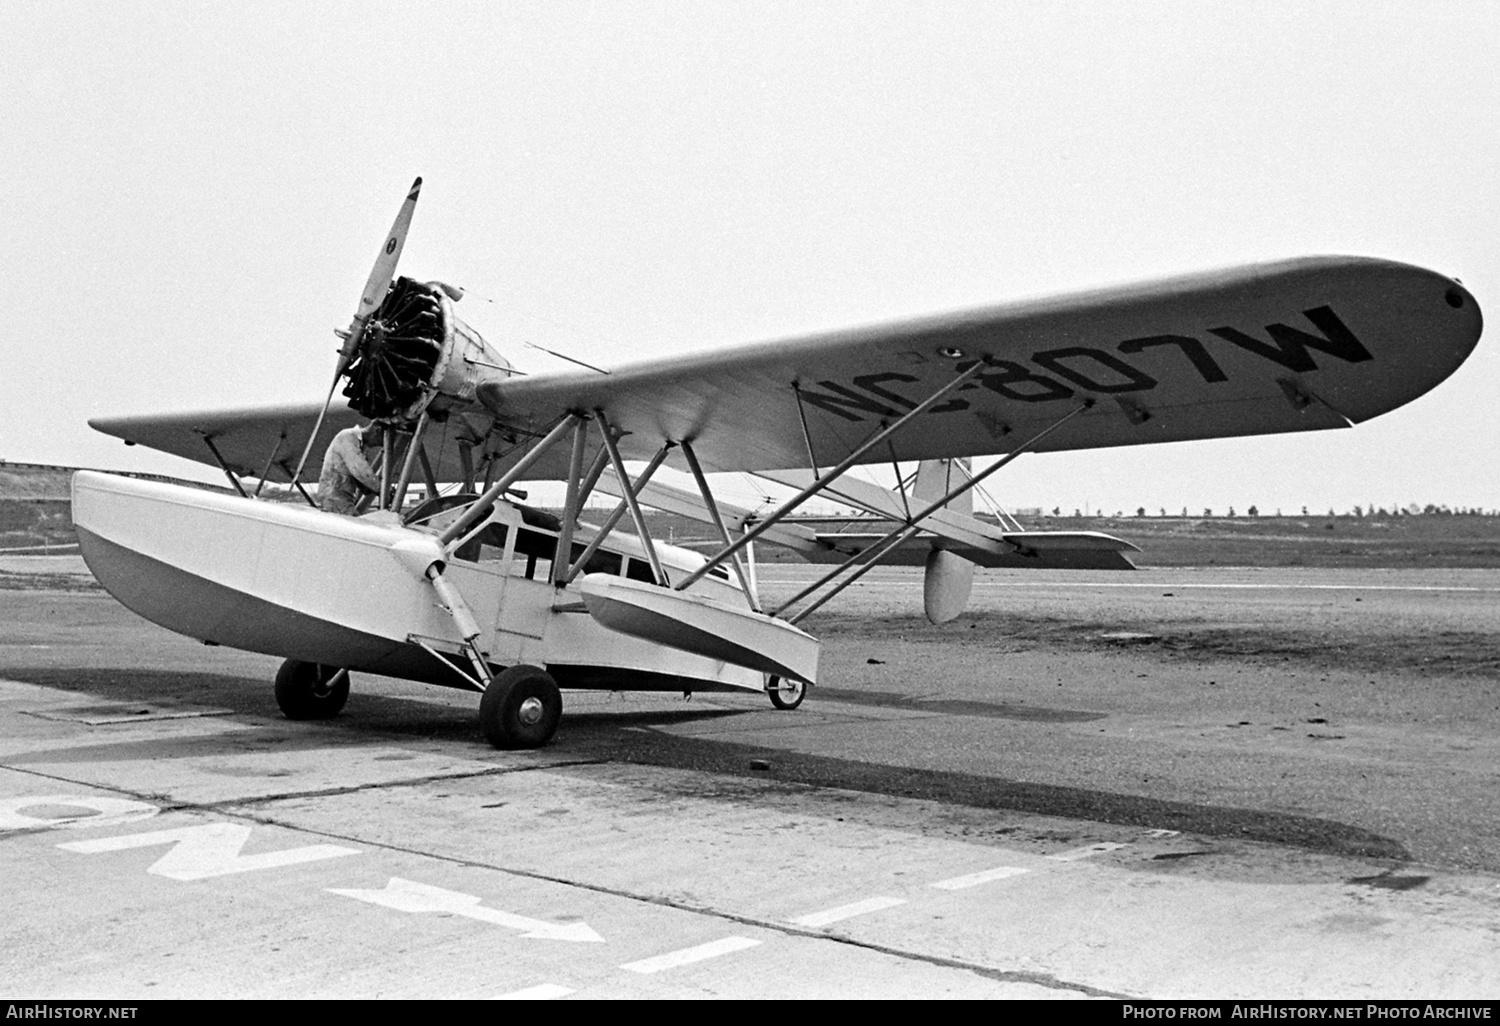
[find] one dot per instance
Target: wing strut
(295, 483)
(812, 457)
(619, 510)
(713, 511)
(572, 504)
(477, 508)
(891, 541)
(635, 509)
(208, 440)
(906, 529)
(466, 460)
(387, 457)
(601, 460)
(408, 465)
(817, 486)
(269, 461)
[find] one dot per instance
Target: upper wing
(1293, 346)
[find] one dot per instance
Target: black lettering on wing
(871, 383)
(1014, 381)
(1122, 376)
(843, 401)
(1291, 345)
(1194, 350)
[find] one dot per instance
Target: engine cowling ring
(398, 351)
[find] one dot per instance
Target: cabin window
(639, 570)
(533, 555)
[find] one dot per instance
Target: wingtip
(416, 187)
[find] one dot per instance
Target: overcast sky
(194, 193)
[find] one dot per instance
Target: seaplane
(448, 577)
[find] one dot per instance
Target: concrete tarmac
(1034, 801)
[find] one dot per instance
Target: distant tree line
(1377, 512)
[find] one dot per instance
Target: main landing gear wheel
(786, 694)
(520, 708)
(311, 691)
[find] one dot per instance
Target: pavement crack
(334, 792)
(165, 803)
(790, 929)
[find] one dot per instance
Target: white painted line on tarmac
(1180, 584)
(411, 896)
(541, 992)
(837, 915)
(1074, 854)
(959, 883)
(89, 811)
(1231, 586)
(687, 956)
(200, 852)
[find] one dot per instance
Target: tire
(311, 691)
(787, 695)
(521, 708)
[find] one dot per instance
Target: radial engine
(415, 347)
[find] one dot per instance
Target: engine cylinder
(416, 354)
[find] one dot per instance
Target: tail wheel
(521, 708)
(311, 691)
(786, 694)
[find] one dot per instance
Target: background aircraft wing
(268, 440)
(1292, 346)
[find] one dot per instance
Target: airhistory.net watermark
(42, 1010)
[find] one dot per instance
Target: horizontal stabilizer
(690, 504)
(967, 536)
(1024, 550)
(945, 523)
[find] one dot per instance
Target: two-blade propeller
(375, 289)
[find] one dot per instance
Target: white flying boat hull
(300, 583)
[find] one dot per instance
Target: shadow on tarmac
(608, 737)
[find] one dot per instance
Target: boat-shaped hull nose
(253, 575)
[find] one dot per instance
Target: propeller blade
(380, 279)
(380, 276)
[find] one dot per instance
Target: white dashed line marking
(541, 992)
(687, 956)
(959, 883)
(858, 908)
(1082, 853)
